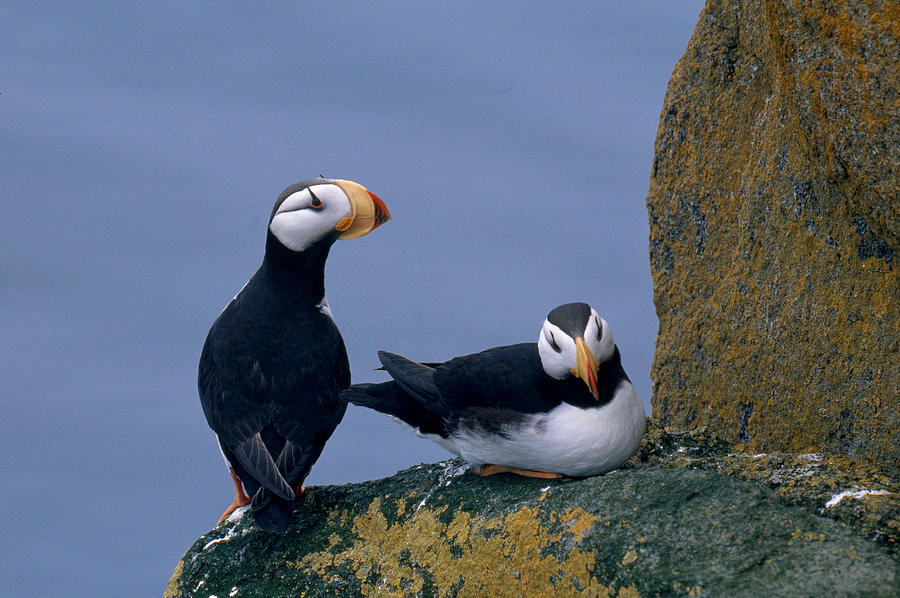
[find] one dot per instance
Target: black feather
(274, 514)
(571, 318)
(389, 398)
(413, 377)
(253, 455)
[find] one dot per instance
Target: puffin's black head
(574, 341)
(316, 210)
(572, 318)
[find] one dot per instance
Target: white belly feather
(567, 440)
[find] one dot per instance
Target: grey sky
(142, 149)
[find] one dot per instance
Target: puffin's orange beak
(587, 366)
(367, 211)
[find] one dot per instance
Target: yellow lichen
(172, 587)
(471, 556)
(807, 535)
(629, 558)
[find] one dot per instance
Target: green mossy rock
(678, 520)
(774, 208)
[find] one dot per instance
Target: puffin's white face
(566, 353)
(311, 214)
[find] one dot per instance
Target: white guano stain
(232, 531)
(857, 494)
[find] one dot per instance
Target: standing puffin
(274, 364)
(561, 406)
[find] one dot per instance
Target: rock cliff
(685, 517)
(774, 209)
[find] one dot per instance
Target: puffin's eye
(599, 330)
(553, 344)
(316, 203)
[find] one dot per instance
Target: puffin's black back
(512, 377)
(274, 363)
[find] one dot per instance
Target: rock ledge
(684, 517)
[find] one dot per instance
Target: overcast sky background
(142, 148)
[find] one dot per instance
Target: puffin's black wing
(506, 378)
(414, 378)
(230, 390)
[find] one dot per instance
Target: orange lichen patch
(888, 18)
(511, 555)
(774, 230)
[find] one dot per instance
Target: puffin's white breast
(567, 440)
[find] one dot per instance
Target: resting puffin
(274, 364)
(560, 407)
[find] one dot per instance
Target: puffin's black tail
(272, 513)
(389, 398)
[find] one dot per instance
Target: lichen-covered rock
(774, 209)
(673, 522)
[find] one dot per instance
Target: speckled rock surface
(858, 493)
(678, 520)
(774, 209)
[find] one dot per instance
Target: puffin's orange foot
(486, 470)
(304, 494)
(240, 497)
(231, 508)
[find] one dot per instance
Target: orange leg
(486, 470)
(240, 497)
